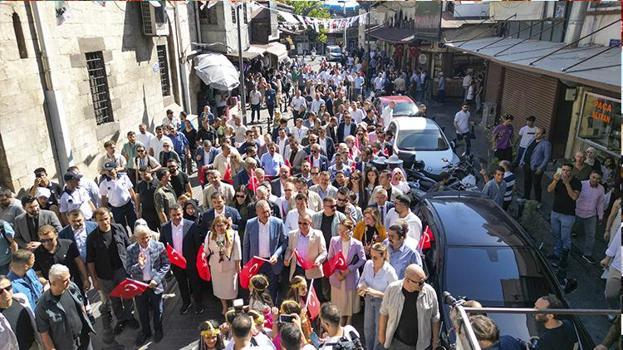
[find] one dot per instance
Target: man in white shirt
(298, 103)
(143, 136)
(528, 134)
(359, 81)
(255, 99)
(171, 120)
(217, 186)
(358, 114)
(118, 191)
(317, 103)
(388, 114)
(461, 125)
(240, 131)
(299, 131)
(402, 211)
(157, 142)
(379, 83)
(75, 197)
(300, 209)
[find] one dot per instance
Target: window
(19, 36)
(164, 70)
(233, 13)
(422, 140)
(99, 87)
(209, 13)
(244, 13)
(600, 122)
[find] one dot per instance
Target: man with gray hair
(265, 237)
(60, 315)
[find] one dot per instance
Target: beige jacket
(316, 251)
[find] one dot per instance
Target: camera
(286, 318)
(238, 306)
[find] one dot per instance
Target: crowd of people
(315, 186)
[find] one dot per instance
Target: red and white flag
(129, 289)
(312, 304)
(175, 257)
(306, 265)
(203, 270)
(227, 177)
(254, 183)
(426, 239)
(337, 262)
(250, 269)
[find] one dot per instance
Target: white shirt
(299, 133)
(117, 190)
(145, 138)
(359, 82)
(387, 115)
(297, 102)
(78, 199)
(254, 97)
(415, 224)
(177, 232)
(264, 240)
(379, 280)
(527, 136)
(315, 105)
(461, 119)
(80, 236)
(239, 133)
(378, 83)
(614, 251)
(358, 115)
(292, 219)
(467, 80)
(175, 122)
(301, 245)
(147, 275)
(156, 145)
(329, 342)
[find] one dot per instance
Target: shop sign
(600, 122)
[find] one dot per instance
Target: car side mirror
(452, 144)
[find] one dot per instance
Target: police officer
(75, 197)
(117, 192)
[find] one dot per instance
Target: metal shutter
(528, 94)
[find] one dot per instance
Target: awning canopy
(247, 55)
(277, 49)
(216, 71)
(592, 65)
(393, 35)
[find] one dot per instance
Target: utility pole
(242, 88)
(368, 80)
(345, 28)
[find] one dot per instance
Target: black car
(481, 253)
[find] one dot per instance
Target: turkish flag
(129, 289)
(250, 269)
(253, 183)
(175, 257)
(202, 266)
(337, 262)
(313, 304)
(426, 239)
(306, 265)
(227, 176)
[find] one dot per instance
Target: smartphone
(315, 340)
(286, 318)
(559, 171)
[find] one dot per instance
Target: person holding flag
(222, 251)
(306, 251)
(376, 276)
(182, 239)
(148, 262)
(344, 282)
(265, 238)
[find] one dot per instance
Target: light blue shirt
(28, 285)
(403, 257)
(5, 246)
(271, 164)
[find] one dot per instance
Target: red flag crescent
(175, 257)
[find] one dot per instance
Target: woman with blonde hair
(377, 274)
(298, 290)
(222, 251)
(370, 230)
(344, 283)
(291, 307)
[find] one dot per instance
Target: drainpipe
(197, 21)
(181, 63)
(576, 21)
(53, 96)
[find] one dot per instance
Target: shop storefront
(599, 123)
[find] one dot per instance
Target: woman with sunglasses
(241, 203)
(210, 336)
(355, 185)
(370, 181)
(344, 283)
(377, 275)
(144, 160)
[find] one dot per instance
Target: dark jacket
(192, 239)
(274, 207)
(343, 131)
(205, 223)
(68, 233)
(95, 243)
(22, 234)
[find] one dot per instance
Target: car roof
(397, 99)
(414, 123)
(474, 220)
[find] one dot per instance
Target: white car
(334, 53)
(423, 138)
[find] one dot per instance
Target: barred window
(99, 87)
(164, 70)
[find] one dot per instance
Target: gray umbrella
(216, 71)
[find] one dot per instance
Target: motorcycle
(461, 178)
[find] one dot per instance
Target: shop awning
(393, 35)
(593, 65)
(277, 49)
(247, 55)
(216, 71)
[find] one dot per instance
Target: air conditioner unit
(155, 20)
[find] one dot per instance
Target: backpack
(354, 343)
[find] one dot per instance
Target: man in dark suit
(265, 237)
(205, 157)
(242, 178)
(327, 145)
(278, 184)
(295, 155)
(27, 224)
(183, 236)
(317, 159)
(219, 208)
(346, 127)
(381, 204)
(263, 194)
(78, 230)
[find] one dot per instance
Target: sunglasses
(140, 150)
(355, 178)
(304, 223)
(46, 240)
(419, 283)
(313, 173)
(341, 199)
(6, 289)
(240, 196)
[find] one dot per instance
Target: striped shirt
(509, 178)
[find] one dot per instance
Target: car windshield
(422, 140)
(405, 108)
(335, 50)
(496, 276)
